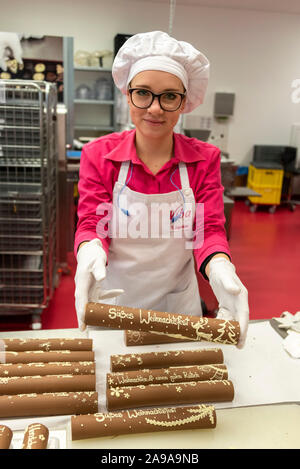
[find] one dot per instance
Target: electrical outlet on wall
(194, 121)
(219, 135)
(218, 128)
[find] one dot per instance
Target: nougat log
(23, 345)
(5, 437)
(149, 338)
(143, 421)
(129, 397)
(179, 325)
(59, 403)
(136, 361)
(35, 437)
(48, 383)
(167, 375)
(34, 356)
(50, 368)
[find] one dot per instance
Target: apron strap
(123, 172)
(184, 177)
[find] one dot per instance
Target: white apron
(156, 272)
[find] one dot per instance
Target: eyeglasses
(169, 101)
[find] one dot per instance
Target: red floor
(265, 250)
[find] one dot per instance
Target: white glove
(91, 269)
(231, 294)
(9, 41)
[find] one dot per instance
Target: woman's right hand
(91, 270)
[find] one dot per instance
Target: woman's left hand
(231, 294)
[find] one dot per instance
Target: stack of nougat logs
(44, 377)
(138, 383)
(168, 377)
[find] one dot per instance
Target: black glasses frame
(158, 96)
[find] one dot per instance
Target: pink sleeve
(210, 230)
(92, 193)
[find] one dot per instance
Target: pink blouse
(101, 160)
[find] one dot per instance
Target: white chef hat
(156, 50)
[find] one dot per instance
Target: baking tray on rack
(18, 115)
(21, 227)
(13, 243)
(21, 277)
(17, 135)
(22, 295)
(16, 209)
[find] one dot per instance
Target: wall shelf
(93, 115)
(94, 101)
(92, 69)
(104, 128)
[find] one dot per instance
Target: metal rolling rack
(28, 197)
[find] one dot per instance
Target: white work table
(265, 412)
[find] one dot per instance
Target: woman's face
(154, 122)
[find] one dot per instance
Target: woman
(150, 199)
